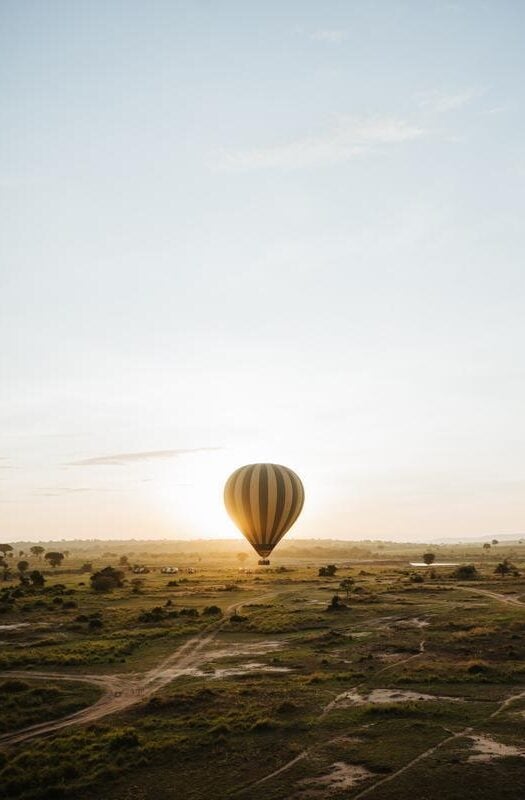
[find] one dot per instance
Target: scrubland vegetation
(335, 668)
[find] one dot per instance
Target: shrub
(328, 571)
(466, 572)
(123, 740)
(189, 612)
(212, 611)
(107, 579)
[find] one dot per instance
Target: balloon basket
(264, 562)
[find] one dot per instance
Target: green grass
(206, 737)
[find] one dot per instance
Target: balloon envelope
(264, 500)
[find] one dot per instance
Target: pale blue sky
(279, 231)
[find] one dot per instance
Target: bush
(212, 611)
(189, 612)
(328, 571)
(123, 740)
(466, 572)
(237, 618)
(155, 614)
(107, 579)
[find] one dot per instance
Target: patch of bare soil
(415, 622)
(340, 776)
(228, 672)
(382, 696)
(488, 749)
(389, 658)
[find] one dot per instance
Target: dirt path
(123, 691)
(333, 704)
(502, 598)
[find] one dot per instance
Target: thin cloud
(120, 459)
(350, 138)
(330, 35)
(442, 102)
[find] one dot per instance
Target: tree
(37, 579)
(347, 584)
(328, 571)
(486, 546)
(37, 551)
(123, 561)
(495, 542)
(5, 569)
(466, 572)
(107, 579)
(241, 558)
(137, 584)
(429, 558)
(5, 549)
(504, 568)
(22, 566)
(55, 559)
(335, 603)
(87, 567)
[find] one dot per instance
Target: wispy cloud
(350, 138)
(329, 35)
(442, 102)
(120, 459)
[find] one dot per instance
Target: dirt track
(453, 735)
(123, 691)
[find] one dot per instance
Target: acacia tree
(503, 568)
(429, 558)
(38, 551)
(347, 584)
(22, 566)
(5, 549)
(55, 559)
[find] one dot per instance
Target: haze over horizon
(238, 234)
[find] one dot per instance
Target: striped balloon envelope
(264, 500)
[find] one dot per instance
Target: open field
(219, 683)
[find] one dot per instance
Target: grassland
(407, 688)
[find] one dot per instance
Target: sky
(271, 231)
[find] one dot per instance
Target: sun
(189, 495)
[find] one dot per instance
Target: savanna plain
(340, 671)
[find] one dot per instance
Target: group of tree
(107, 579)
(328, 571)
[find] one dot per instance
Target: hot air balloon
(264, 500)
